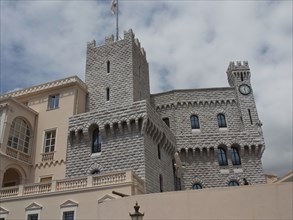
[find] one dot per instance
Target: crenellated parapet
(196, 104)
(238, 70)
(139, 118)
(128, 36)
(159, 131)
(105, 119)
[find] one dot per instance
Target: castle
(175, 140)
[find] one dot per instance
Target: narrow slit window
(167, 121)
(241, 75)
(108, 94)
(249, 113)
(159, 152)
(96, 141)
(161, 183)
(108, 66)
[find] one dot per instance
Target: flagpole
(117, 28)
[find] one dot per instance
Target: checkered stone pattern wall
(120, 67)
(130, 135)
(198, 147)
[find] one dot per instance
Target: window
(19, 135)
(96, 143)
(222, 158)
(108, 66)
(53, 102)
(167, 121)
(108, 94)
(33, 216)
(50, 141)
(194, 122)
(196, 186)
(159, 152)
(46, 179)
(95, 172)
(235, 156)
(161, 183)
(233, 183)
(249, 113)
(221, 121)
(68, 210)
(69, 215)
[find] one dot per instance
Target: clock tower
(239, 78)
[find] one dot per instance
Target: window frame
(194, 122)
(222, 156)
(28, 217)
(222, 122)
(68, 206)
(19, 137)
(96, 136)
(235, 156)
(50, 139)
(68, 211)
(55, 103)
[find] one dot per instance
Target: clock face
(244, 89)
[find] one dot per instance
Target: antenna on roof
(114, 9)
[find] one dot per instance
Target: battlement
(128, 35)
(238, 70)
(238, 66)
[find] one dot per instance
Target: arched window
(194, 122)
(95, 172)
(196, 186)
(108, 66)
(233, 183)
(96, 143)
(235, 156)
(221, 121)
(222, 158)
(19, 135)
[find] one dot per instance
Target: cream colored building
(33, 130)
(263, 201)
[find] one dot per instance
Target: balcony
(123, 178)
(18, 155)
(48, 156)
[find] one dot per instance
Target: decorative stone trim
(45, 86)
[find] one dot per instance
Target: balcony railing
(97, 181)
(48, 156)
(18, 155)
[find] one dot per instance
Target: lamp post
(136, 215)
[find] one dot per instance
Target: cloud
(189, 44)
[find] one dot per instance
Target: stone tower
(116, 73)
(239, 77)
(120, 130)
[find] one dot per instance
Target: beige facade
(263, 201)
(34, 125)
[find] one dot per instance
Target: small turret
(238, 72)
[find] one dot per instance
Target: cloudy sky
(189, 44)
